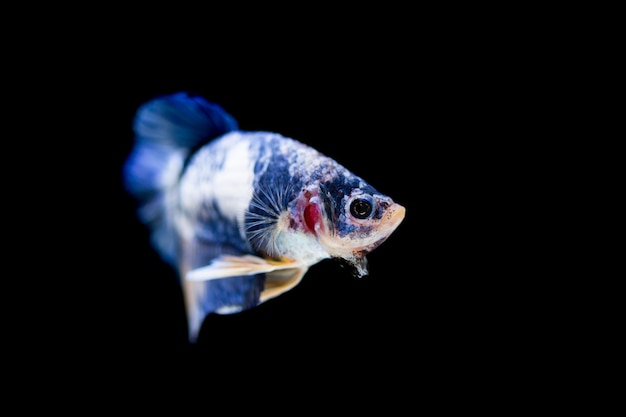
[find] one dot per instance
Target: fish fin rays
(226, 266)
(167, 130)
(279, 277)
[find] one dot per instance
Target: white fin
(227, 266)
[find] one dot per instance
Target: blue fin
(221, 296)
(167, 129)
(229, 283)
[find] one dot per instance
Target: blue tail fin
(167, 129)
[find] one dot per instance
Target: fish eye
(361, 208)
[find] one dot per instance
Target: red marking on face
(311, 216)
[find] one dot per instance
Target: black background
(477, 120)
(421, 133)
(362, 123)
(442, 127)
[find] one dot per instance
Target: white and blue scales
(243, 215)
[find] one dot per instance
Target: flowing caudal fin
(167, 129)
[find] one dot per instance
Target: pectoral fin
(280, 277)
(227, 266)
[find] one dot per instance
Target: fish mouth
(357, 259)
(394, 215)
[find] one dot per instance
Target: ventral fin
(227, 266)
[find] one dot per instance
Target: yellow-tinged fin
(282, 280)
(227, 266)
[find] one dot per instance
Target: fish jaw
(353, 248)
(394, 215)
(357, 250)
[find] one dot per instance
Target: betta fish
(242, 215)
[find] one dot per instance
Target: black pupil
(360, 208)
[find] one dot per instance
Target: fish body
(242, 215)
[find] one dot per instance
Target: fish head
(350, 219)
